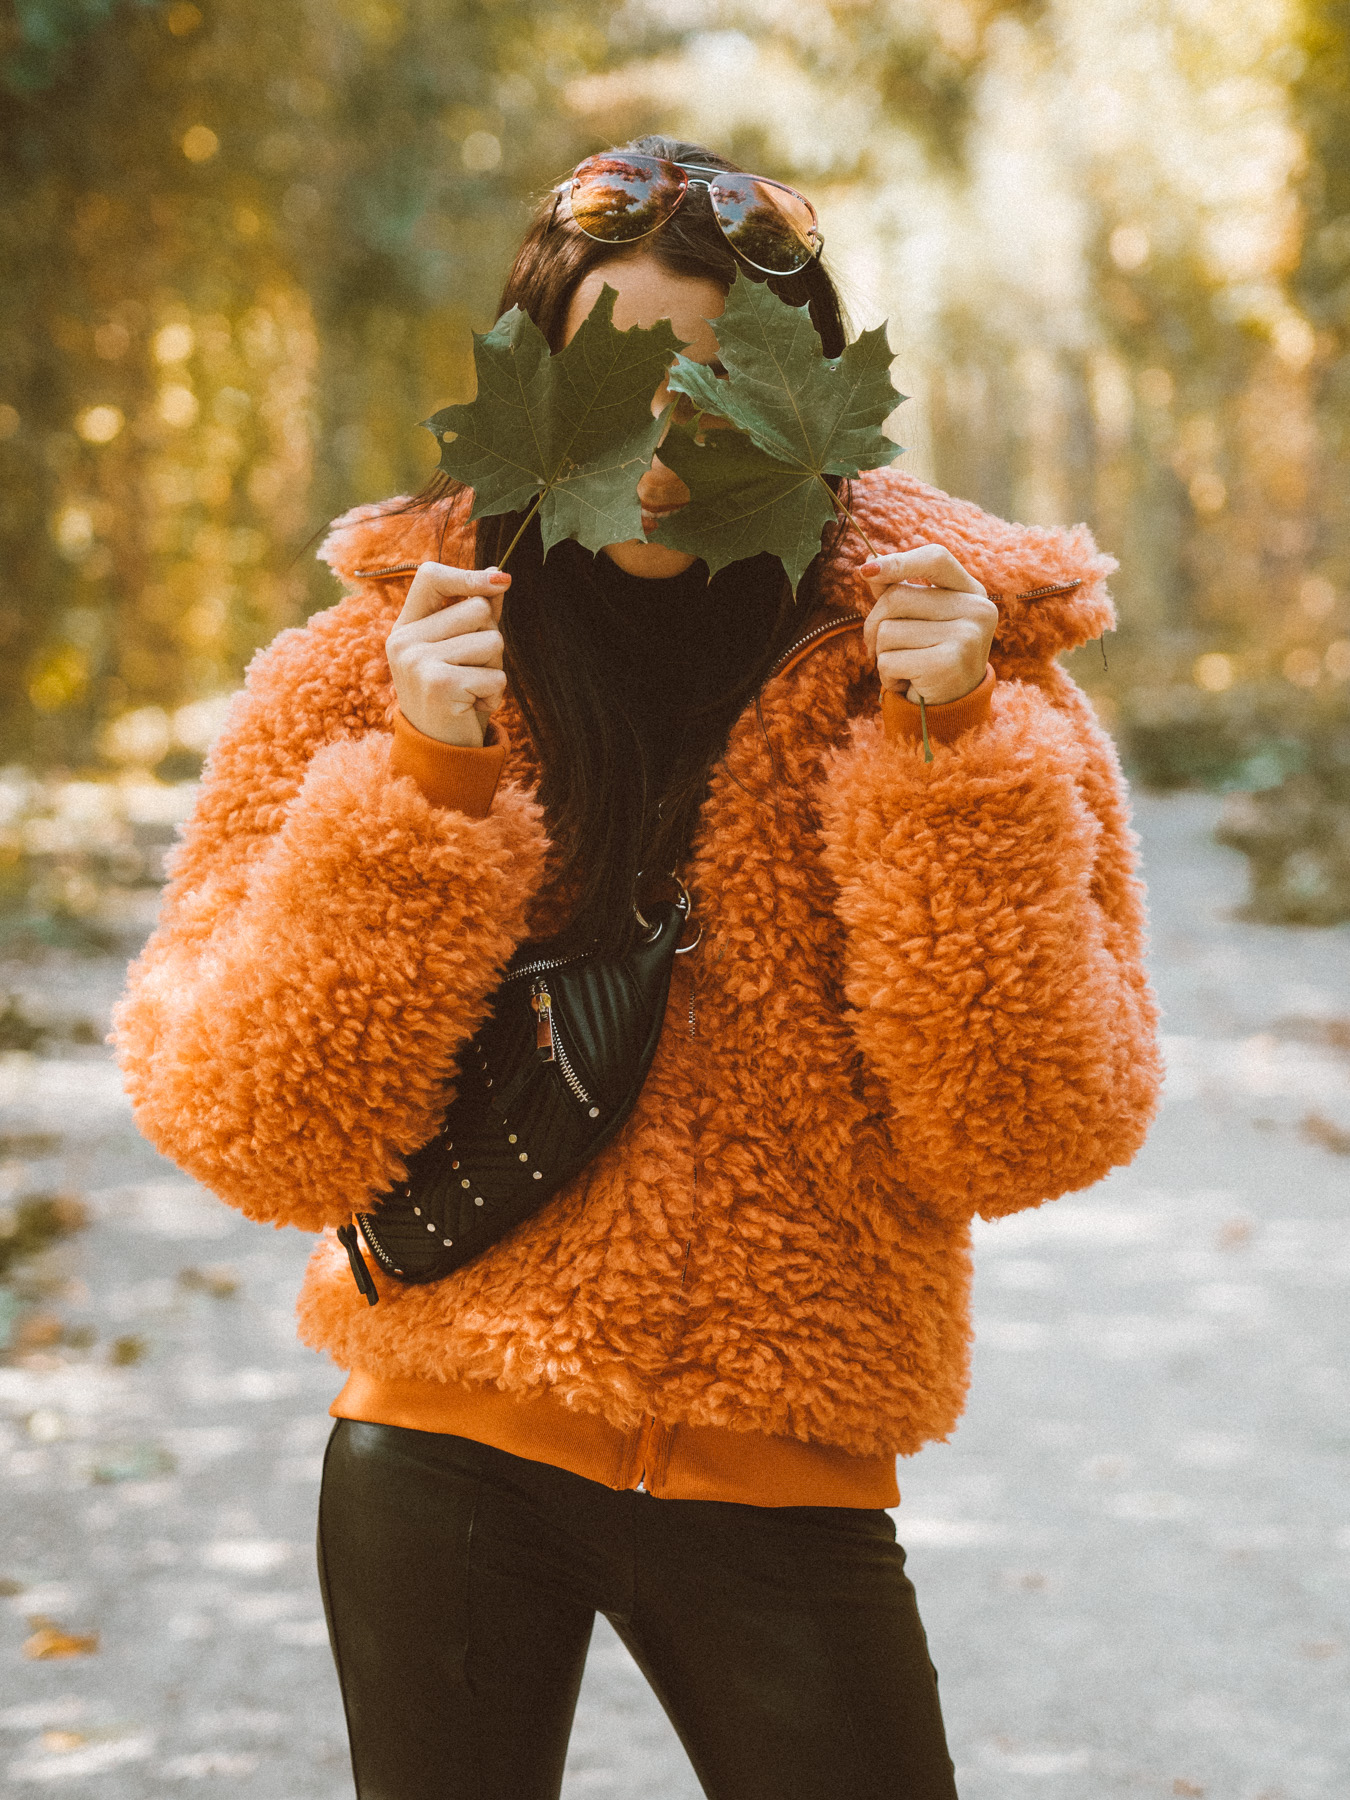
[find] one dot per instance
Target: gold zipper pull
(542, 1003)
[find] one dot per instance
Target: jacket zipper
(809, 637)
(651, 1450)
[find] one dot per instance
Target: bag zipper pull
(542, 1002)
(346, 1235)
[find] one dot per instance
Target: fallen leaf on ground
(37, 1331)
(1186, 1787)
(218, 1280)
(63, 1740)
(127, 1350)
(50, 1641)
(1233, 1233)
(37, 1220)
(1327, 1133)
(29, 1143)
(131, 1462)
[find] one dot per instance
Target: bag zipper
(544, 963)
(548, 1042)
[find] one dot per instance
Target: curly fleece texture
(920, 995)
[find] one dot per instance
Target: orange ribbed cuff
(902, 723)
(451, 774)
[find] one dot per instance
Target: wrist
(947, 720)
(461, 776)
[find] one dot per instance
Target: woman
(677, 1393)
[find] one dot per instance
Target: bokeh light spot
(1303, 667)
(1129, 247)
(137, 739)
(1208, 492)
(200, 143)
(112, 341)
(177, 405)
(174, 343)
(480, 152)
(100, 424)
(1316, 597)
(1295, 341)
(1214, 672)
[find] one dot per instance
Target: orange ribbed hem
(456, 775)
(672, 1462)
(903, 723)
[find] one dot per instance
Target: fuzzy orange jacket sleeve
(995, 944)
(328, 938)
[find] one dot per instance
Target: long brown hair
(598, 785)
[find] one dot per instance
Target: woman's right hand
(445, 651)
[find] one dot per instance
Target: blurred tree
(244, 243)
(1296, 831)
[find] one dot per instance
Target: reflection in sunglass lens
(620, 198)
(768, 226)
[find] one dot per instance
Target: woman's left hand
(932, 624)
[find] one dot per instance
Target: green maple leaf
(799, 416)
(571, 434)
(742, 502)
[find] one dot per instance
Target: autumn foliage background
(243, 245)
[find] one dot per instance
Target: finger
(458, 688)
(455, 619)
(914, 671)
(435, 585)
(929, 603)
(471, 649)
(926, 562)
(920, 634)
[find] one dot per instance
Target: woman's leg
(786, 1647)
(458, 1632)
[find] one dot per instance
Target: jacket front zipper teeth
(809, 638)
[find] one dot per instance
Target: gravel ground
(1133, 1560)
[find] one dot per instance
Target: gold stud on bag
(540, 1089)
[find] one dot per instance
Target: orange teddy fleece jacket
(919, 996)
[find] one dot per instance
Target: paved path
(1134, 1559)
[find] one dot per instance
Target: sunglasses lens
(770, 227)
(616, 198)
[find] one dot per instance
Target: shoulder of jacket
(1048, 581)
(400, 530)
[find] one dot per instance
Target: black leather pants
(461, 1584)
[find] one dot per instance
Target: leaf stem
(538, 502)
(923, 726)
(871, 550)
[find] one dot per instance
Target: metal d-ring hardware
(686, 905)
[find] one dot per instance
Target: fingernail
(499, 578)
(869, 568)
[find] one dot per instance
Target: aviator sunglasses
(618, 199)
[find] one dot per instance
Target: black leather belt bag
(541, 1087)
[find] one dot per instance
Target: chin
(637, 557)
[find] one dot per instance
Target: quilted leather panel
(517, 1128)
